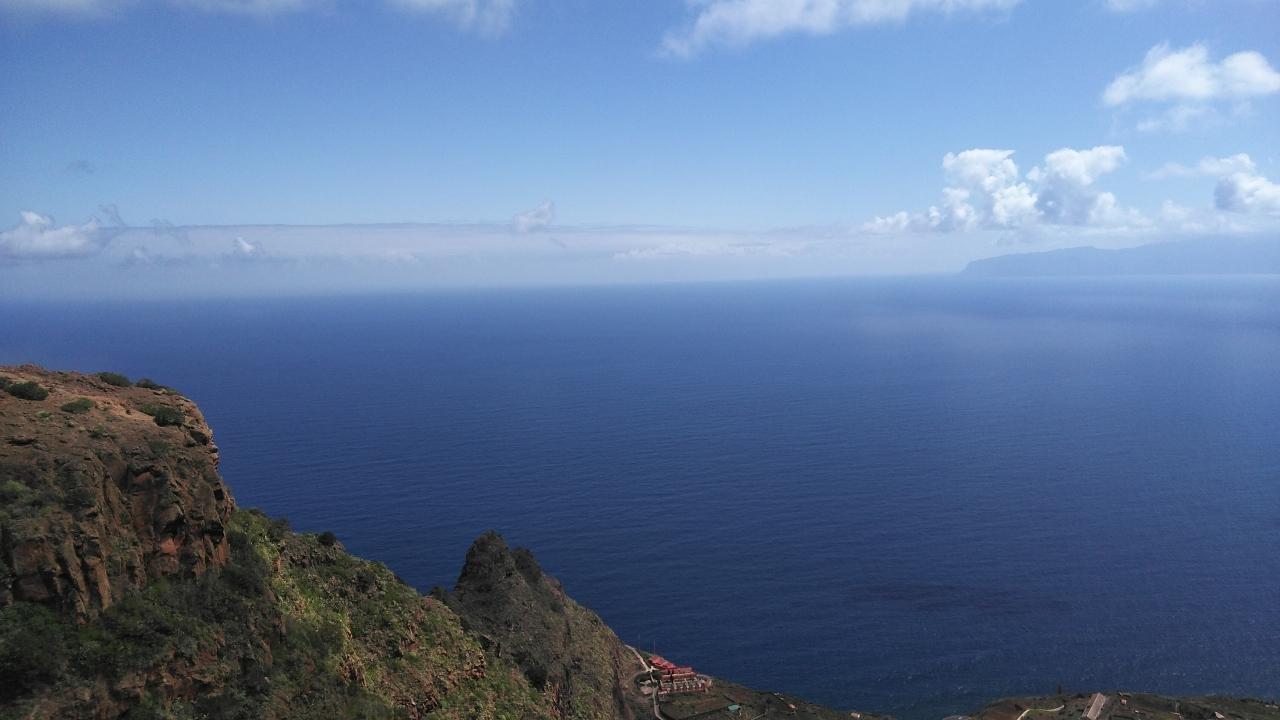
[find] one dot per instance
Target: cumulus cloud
(741, 22)
(38, 237)
(539, 218)
(1240, 189)
(487, 16)
(1191, 84)
(986, 191)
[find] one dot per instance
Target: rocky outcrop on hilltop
(103, 489)
(524, 616)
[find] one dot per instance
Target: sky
(241, 146)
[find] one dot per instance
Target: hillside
(131, 586)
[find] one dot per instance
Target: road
(648, 669)
(1023, 716)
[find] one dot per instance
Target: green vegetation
(98, 432)
(150, 384)
(164, 415)
(77, 406)
(289, 628)
(328, 539)
(115, 379)
(5, 381)
(27, 391)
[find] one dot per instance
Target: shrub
(328, 539)
(150, 384)
(115, 379)
(5, 381)
(27, 391)
(33, 649)
(100, 431)
(164, 415)
(77, 406)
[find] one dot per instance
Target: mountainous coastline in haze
(1191, 257)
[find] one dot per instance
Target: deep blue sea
(908, 496)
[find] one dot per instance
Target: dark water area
(908, 496)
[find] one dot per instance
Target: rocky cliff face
(103, 489)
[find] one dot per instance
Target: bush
(77, 406)
(5, 381)
(115, 379)
(150, 384)
(328, 539)
(27, 391)
(33, 649)
(164, 415)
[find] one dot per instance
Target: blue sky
(770, 121)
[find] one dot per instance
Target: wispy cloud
(482, 16)
(486, 16)
(1191, 86)
(1124, 6)
(742, 22)
(539, 218)
(93, 8)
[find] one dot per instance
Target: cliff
(132, 587)
(104, 490)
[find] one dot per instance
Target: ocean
(908, 496)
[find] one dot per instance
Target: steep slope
(523, 615)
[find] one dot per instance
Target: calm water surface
(906, 496)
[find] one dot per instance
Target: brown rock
(125, 501)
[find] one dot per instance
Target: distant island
(1188, 257)
(132, 586)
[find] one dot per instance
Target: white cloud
(539, 218)
(741, 22)
(986, 191)
(1190, 75)
(1208, 166)
(1240, 189)
(37, 237)
(1192, 84)
(1130, 5)
(1247, 192)
(486, 16)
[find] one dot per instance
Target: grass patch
(77, 406)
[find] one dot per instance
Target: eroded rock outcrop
(102, 489)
